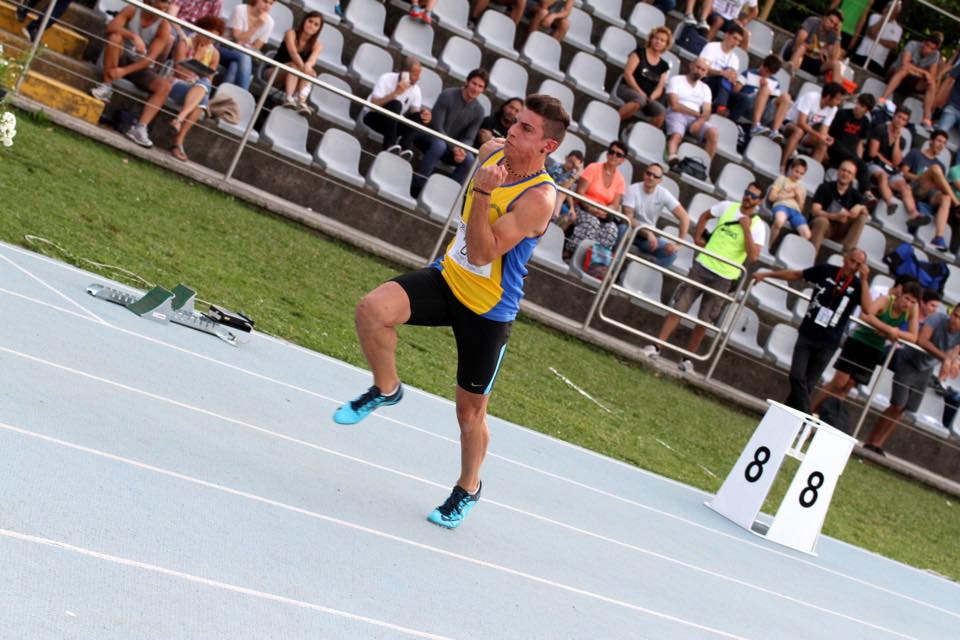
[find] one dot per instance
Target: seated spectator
(808, 122)
(190, 90)
(135, 41)
(724, 67)
(689, 99)
(838, 211)
(864, 349)
(849, 131)
(836, 294)
(816, 47)
(914, 72)
(552, 16)
(884, 155)
(515, 8)
(953, 177)
(738, 237)
(722, 15)
(193, 10)
(912, 370)
(854, 15)
(300, 49)
(787, 196)
(458, 115)
(250, 27)
(644, 78)
(497, 124)
(751, 95)
(602, 183)
(566, 175)
(922, 183)
(643, 204)
(398, 92)
(950, 115)
(881, 42)
(422, 10)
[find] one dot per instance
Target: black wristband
(486, 193)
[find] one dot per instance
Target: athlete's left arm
(528, 218)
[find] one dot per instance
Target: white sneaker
(689, 19)
(102, 91)
(686, 365)
(703, 25)
(652, 351)
(138, 133)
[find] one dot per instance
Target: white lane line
(373, 532)
(225, 586)
(56, 291)
(756, 545)
(409, 476)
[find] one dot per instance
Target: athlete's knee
(472, 416)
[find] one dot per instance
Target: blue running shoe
(358, 409)
(939, 243)
(452, 512)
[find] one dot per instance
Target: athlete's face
(526, 135)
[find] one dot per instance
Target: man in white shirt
(808, 120)
(689, 109)
(886, 40)
(643, 203)
(724, 67)
(398, 92)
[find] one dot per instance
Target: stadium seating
(508, 79)
(616, 45)
(580, 31)
(460, 57)
(246, 106)
(339, 155)
(600, 122)
(286, 132)
(453, 16)
(331, 56)
(414, 38)
(549, 251)
(329, 105)
(438, 196)
(390, 177)
(496, 32)
(542, 53)
(367, 19)
(645, 18)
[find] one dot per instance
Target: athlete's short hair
(556, 120)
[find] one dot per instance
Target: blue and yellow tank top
(493, 290)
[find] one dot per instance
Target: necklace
(519, 176)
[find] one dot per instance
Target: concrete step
(62, 97)
(78, 74)
(57, 38)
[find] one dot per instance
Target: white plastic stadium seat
(282, 22)
(245, 105)
(570, 142)
(430, 86)
(459, 57)
(564, 94)
(644, 281)
(414, 38)
(733, 181)
(581, 28)
(576, 265)
(814, 176)
(226, 8)
(390, 177)
(699, 203)
(744, 333)
(587, 73)
(893, 224)
(779, 347)
(728, 133)
(331, 56)
(497, 32)
(453, 15)
(367, 18)
(606, 10)
(689, 150)
(796, 253)
(339, 155)
(763, 154)
(508, 79)
(616, 45)
(369, 63)
(771, 299)
(326, 7)
(549, 251)
(108, 9)
(761, 38)
(286, 132)
(329, 105)
(542, 53)
(925, 235)
(874, 244)
(645, 18)
(929, 415)
(951, 291)
(685, 254)
(601, 123)
(438, 196)
(670, 185)
(647, 142)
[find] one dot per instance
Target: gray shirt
(456, 118)
(914, 48)
(942, 338)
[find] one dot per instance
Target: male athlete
(475, 288)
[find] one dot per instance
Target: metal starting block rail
(162, 305)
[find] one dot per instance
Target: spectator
(422, 10)
(457, 113)
(551, 15)
(849, 131)
(515, 8)
(300, 49)
(497, 124)
(864, 349)
(836, 293)
(808, 122)
(193, 10)
(135, 41)
(787, 196)
(912, 369)
(644, 78)
(950, 116)
(398, 92)
(192, 90)
(886, 41)
(816, 47)
(923, 179)
(724, 67)
(854, 15)
(566, 175)
(885, 145)
(29, 31)
(914, 73)
(738, 236)
(250, 27)
(602, 183)
(953, 177)
(752, 92)
(643, 204)
(838, 211)
(722, 15)
(689, 99)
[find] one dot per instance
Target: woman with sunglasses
(602, 183)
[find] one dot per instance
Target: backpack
(596, 260)
(834, 412)
(903, 262)
(692, 167)
(691, 39)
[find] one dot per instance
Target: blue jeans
(665, 5)
(659, 255)
(949, 118)
(434, 150)
(239, 67)
(721, 88)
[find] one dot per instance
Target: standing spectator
(250, 27)
(864, 349)
(912, 369)
(644, 78)
(457, 113)
(515, 9)
(752, 92)
(886, 41)
(808, 121)
(838, 210)
(787, 197)
(551, 15)
(849, 131)
(643, 204)
(135, 41)
(497, 124)
(836, 293)
(922, 182)
(816, 47)
(885, 145)
(915, 72)
(422, 10)
(724, 67)
(689, 99)
(602, 183)
(566, 175)
(738, 237)
(300, 49)
(398, 92)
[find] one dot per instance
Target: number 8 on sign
(755, 469)
(811, 490)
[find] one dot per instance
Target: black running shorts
(481, 343)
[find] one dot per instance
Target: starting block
(782, 432)
(175, 306)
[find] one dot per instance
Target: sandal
(178, 152)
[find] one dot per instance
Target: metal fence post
(253, 119)
(873, 389)
(34, 46)
(619, 257)
(726, 331)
